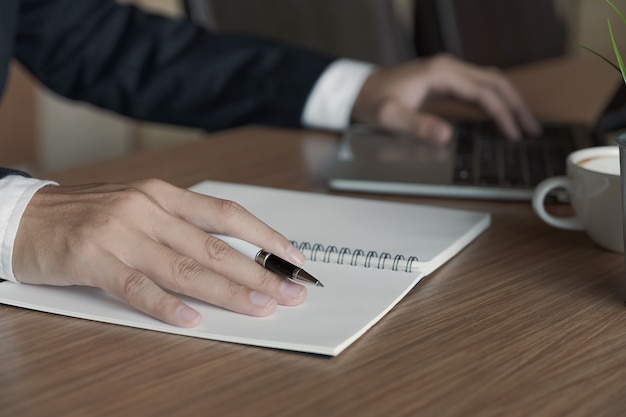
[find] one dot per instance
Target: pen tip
(306, 278)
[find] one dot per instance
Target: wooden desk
(526, 321)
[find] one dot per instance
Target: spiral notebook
(369, 254)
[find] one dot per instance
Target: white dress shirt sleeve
(330, 102)
(15, 194)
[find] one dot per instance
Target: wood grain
(526, 321)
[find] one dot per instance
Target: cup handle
(539, 196)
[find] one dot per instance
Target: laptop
(478, 163)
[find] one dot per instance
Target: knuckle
(129, 197)
(216, 249)
(233, 290)
(120, 204)
(184, 269)
(264, 278)
(133, 285)
(229, 209)
(150, 184)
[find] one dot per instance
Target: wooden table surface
(526, 321)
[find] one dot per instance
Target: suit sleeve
(7, 171)
(163, 70)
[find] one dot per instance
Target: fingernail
(291, 289)
(261, 300)
(295, 255)
(188, 315)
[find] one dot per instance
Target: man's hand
(392, 98)
(143, 241)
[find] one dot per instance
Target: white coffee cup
(593, 186)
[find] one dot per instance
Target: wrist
(330, 104)
(16, 191)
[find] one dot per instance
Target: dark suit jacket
(155, 69)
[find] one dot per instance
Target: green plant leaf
(620, 61)
(599, 55)
(618, 11)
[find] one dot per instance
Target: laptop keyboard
(485, 158)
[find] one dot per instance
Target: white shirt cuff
(16, 192)
(330, 103)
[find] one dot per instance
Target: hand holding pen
(146, 242)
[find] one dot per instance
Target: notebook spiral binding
(345, 256)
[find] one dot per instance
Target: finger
(223, 217)
(399, 118)
(498, 110)
(136, 289)
(511, 97)
(199, 265)
(184, 275)
(491, 90)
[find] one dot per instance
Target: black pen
(271, 262)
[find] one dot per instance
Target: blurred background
(41, 131)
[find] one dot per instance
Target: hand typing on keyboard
(393, 98)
